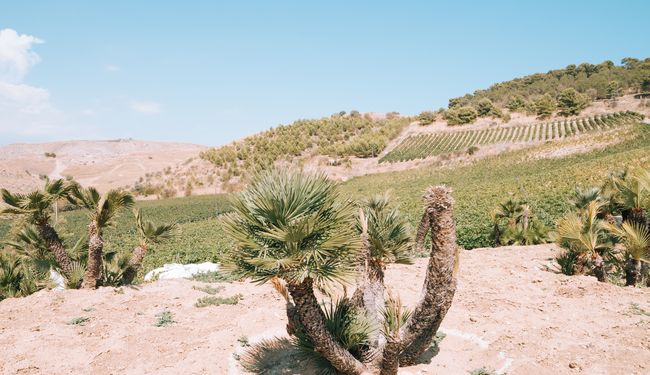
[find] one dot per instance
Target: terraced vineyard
(427, 145)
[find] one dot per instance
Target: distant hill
(597, 82)
(103, 164)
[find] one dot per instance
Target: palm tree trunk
(421, 234)
(599, 268)
(370, 292)
(312, 320)
(440, 282)
(54, 244)
(633, 272)
(134, 264)
(95, 250)
(390, 356)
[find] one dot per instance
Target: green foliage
(215, 277)
(79, 321)
(482, 371)
(337, 136)
(631, 75)
(544, 106)
(460, 115)
(545, 183)
(348, 326)
(427, 145)
(614, 90)
(567, 260)
(571, 103)
(218, 301)
(388, 232)
(293, 226)
(164, 318)
(18, 278)
(485, 108)
(426, 117)
(517, 103)
(514, 223)
(208, 289)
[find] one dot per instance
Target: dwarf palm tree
(582, 197)
(36, 208)
(585, 235)
(635, 238)
(292, 227)
(148, 234)
(632, 194)
(102, 210)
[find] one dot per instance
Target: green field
(478, 187)
(426, 145)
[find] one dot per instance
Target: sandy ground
(510, 314)
(103, 164)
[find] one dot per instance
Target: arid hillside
(512, 313)
(201, 176)
(103, 164)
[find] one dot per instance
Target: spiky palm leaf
(634, 237)
(511, 209)
(293, 226)
(632, 190)
(582, 197)
(17, 279)
(388, 232)
(103, 208)
(35, 205)
(582, 233)
(149, 233)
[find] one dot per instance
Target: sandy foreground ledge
(509, 314)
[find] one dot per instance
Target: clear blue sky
(209, 72)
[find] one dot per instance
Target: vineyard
(427, 145)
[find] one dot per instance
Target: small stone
(573, 365)
(472, 319)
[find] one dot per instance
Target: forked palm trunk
(134, 264)
(440, 282)
(55, 246)
(312, 320)
(633, 272)
(95, 250)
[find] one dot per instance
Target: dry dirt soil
(103, 164)
(510, 313)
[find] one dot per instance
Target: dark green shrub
(460, 116)
(426, 117)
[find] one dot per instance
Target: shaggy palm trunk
(421, 234)
(600, 270)
(440, 281)
(54, 244)
(134, 264)
(312, 320)
(633, 272)
(390, 356)
(370, 292)
(95, 250)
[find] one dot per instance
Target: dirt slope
(509, 314)
(103, 164)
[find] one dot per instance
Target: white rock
(57, 279)
(180, 271)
